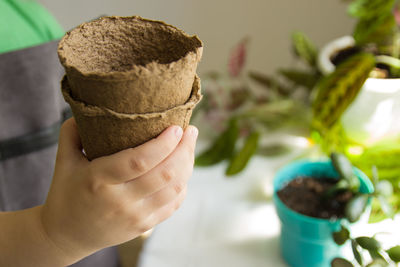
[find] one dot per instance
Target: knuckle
(178, 188)
(167, 174)
(138, 164)
(95, 185)
(119, 209)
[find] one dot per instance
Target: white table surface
(226, 221)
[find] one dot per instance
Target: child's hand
(113, 199)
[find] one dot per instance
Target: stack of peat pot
(128, 79)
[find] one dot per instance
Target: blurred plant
(241, 108)
(353, 211)
(379, 257)
(375, 54)
(348, 181)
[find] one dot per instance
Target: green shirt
(25, 23)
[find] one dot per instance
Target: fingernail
(178, 131)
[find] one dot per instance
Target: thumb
(69, 143)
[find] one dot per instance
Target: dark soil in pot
(305, 195)
(381, 70)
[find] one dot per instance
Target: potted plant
(357, 94)
(317, 202)
(357, 103)
(344, 97)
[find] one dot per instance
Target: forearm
(23, 241)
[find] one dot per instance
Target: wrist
(57, 251)
(23, 234)
(61, 244)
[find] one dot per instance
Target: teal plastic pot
(307, 241)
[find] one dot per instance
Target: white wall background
(222, 23)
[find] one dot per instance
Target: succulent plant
(353, 211)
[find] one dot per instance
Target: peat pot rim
(96, 111)
(193, 54)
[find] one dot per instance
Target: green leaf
(355, 207)
(239, 161)
(274, 150)
(341, 186)
(375, 176)
(368, 243)
(368, 9)
(341, 236)
(340, 262)
(375, 30)
(337, 91)
(356, 252)
(304, 48)
(222, 148)
(378, 263)
(345, 169)
(269, 83)
(300, 77)
(384, 188)
(274, 112)
(342, 165)
(376, 255)
(394, 253)
(386, 207)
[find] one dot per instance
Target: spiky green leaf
(375, 30)
(368, 9)
(304, 48)
(338, 90)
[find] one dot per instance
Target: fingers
(164, 196)
(69, 144)
(131, 163)
(161, 213)
(175, 169)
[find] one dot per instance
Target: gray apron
(31, 112)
